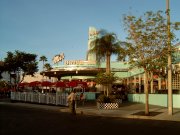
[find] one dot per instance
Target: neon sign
(58, 58)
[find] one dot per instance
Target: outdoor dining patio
(47, 92)
(59, 86)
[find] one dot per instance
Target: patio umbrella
(4, 89)
(71, 84)
(60, 84)
(23, 84)
(46, 83)
(82, 84)
(34, 83)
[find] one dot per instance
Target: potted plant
(107, 102)
(106, 80)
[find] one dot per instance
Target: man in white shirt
(71, 99)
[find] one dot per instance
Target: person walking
(72, 102)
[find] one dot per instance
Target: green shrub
(106, 99)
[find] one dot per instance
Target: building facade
(88, 69)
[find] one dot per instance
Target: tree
(105, 79)
(43, 59)
(104, 46)
(147, 47)
(47, 66)
(20, 62)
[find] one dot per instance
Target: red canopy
(71, 84)
(82, 84)
(60, 84)
(4, 89)
(46, 83)
(34, 83)
(23, 84)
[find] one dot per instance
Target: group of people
(72, 98)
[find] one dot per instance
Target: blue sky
(50, 27)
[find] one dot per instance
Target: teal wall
(176, 101)
(89, 95)
(155, 99)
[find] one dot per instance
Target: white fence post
(39, 97)
(12, 95)
(47, 99)
(19, 96)
(25, 94)
(56, 98)
(32, 97)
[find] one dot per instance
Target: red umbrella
(60, 84)
(4, 89)
(71, 84)
(46, 83)
(34, 83)
(82, 84)
(23, 84)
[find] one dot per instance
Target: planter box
(107, 106)
(119, 101)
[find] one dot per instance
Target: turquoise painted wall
(155, 99)
(89, 95)
(176, 101)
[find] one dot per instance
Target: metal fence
(48, 98)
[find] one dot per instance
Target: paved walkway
(126, 110)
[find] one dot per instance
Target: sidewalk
(126, 110)
(135, 111)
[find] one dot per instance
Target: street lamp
(170, 101)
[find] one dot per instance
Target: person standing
(72, 102)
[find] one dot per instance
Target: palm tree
(43, 59)
(47, 66)
(104, 47)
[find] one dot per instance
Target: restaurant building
(88, 69)
(83, 69)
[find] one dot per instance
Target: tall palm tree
(43, 59)
(104, 47)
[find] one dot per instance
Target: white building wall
(36, 77)
(5, 76)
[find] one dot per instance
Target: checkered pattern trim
(108, 106)
(119, 101)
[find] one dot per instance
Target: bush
(106, 99)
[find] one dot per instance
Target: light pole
(170, 100)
